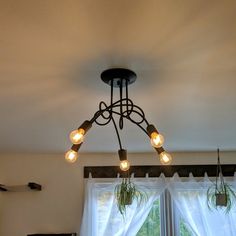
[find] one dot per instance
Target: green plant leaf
(126, 192)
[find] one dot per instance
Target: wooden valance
(155, 171)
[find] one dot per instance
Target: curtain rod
(155, 171)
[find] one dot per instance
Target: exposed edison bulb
(77, 136)
(71, 156)
(157, 140)
(165, 158)
(124, 165)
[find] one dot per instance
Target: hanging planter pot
(221, 199)
(220, 194)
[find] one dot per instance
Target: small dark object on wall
(21, 188)
(3, 188)
(34, 186)
(71, 234)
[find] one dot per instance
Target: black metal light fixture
(124, 108)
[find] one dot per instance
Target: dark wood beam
(155, 171)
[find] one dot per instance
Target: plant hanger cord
(219, 175)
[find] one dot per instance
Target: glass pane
(151, 226)
(184, 228)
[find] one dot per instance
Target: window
(184, 228)
(175, 206)
(152, 225)
(101, 216)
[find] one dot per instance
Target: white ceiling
(52, 54)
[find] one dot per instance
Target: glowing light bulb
(71, 156)
(124, 165)
(77, 136)
(165, 158)
(157, 140)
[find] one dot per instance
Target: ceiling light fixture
(124, 108)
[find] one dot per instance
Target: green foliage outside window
(184, 231)
(151, 226)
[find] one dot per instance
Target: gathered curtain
(189, 196)
(101, 216)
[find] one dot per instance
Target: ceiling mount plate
(118, 75)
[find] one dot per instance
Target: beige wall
(58, 207)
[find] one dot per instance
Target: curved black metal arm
(117, 132)
(123, 107)
(126, 113)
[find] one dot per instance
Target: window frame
(170, 216)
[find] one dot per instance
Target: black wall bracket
(71, 234)
(21, 188)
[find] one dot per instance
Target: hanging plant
(126, 192)
(220, 194)
(222, 197)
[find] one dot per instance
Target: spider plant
(221, 197)
(126, 192)
(220, 194)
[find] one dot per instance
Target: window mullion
(167, 219)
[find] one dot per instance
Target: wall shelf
(21, 188)
(70, 234)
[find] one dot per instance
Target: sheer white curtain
(101, 216)
(189, 196)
